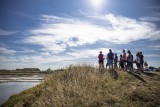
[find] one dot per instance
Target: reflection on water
(11, 88)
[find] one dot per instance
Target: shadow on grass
(138, 77)
(114, 74)
(149, 74)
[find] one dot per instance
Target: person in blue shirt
(110, 58)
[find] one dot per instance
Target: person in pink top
(100, 58)
(124, 57)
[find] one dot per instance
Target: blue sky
(57, 33)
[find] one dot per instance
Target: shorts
(129, 64)
(110, 62)
(100, 61)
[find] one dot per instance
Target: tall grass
(84, 86)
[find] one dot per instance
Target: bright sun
(97, 3)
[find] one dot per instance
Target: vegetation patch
(84, 86)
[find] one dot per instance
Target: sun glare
(97, 3)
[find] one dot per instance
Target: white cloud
(40, 60)
(57, 32)
(44, 58)
(7, 51)
(26, 50)
(60, 38)
(86, 53)
(48, 42)
(154, 17)
(60, 60)
(7, 59)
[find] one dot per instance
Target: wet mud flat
(21, 77)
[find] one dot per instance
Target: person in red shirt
(100, 58)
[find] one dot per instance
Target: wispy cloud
(154, 17)
(66, 40)
(4, 32)
(155, 47)
(26, 50)
(57, 33)
(152, 55)
(7, 51)
(150, 18)
(86, 53)
(4, 59)
(49, 43)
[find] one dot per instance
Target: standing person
(115, 61)
(100, 59)
(129, 61)
(138, 62)
(107, 62)
(141, 61)
(121, 64)
(124, 57)
(132, 63)
(110, 57)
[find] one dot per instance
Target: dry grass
(84, 86)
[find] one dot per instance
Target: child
(115, 61)
(121, 63)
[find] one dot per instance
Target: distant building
(28, 70)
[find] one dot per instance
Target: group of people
(125, 62)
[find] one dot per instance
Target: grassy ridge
(84, 86)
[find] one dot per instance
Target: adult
(138, 62)
(100, 59)
(141, 61)
(129, 61)
(124, 57)
(110, 57)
